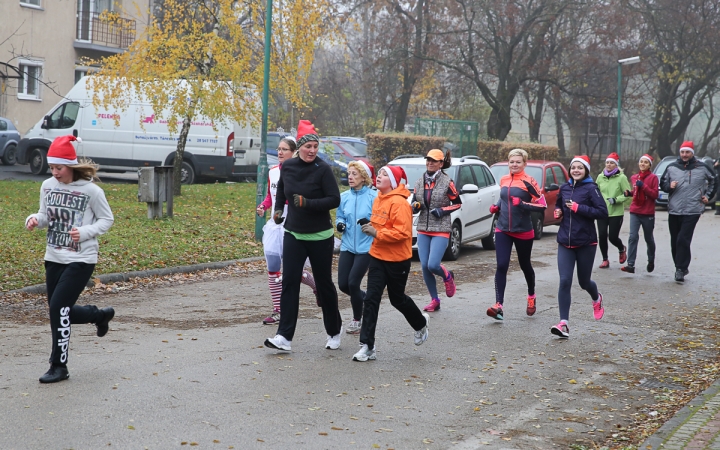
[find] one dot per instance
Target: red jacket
(643, 201)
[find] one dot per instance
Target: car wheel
(38, 162)
(488, 242)
(452, 252)
(537, 223)
(8, 157)
(187, 173)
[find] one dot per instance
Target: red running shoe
(496, 311)
(531, 305)
(623, 256)
(433, 306)
(605, 264)
(450, 284)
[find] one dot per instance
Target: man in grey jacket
(689, 183)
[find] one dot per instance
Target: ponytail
(447, 161)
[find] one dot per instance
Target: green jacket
(614, 187)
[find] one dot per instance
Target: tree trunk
(535, 117)
(559, 132)
(179, 152)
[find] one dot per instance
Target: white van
(130, 146)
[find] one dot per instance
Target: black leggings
(351, 270)
(65, 283)
(320, 254)
(503, 250)
(567, 259)
(613, 223)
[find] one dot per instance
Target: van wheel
(8, 157)
(187, 173)
(452, 252)
(537, 223)
(38, 162)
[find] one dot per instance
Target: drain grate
(654, 383)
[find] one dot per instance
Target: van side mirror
(469, 189)
(45, 123)
(75, 132)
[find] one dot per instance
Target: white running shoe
(354, 327)
(333, 342)
(279, 343)
(422, 334)
(364, 354)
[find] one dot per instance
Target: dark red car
(549, 176)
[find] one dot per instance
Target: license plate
(663, 196)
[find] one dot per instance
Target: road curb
(680, 419)
(126, 276)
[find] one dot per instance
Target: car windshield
(501, 170)
(273, 142)
(356, 149)
(660, 169)
(415, 171)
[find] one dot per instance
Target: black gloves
(341, 227)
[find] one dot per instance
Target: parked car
(478, 190)
(358, 144)
(659, 170)
(343, 151)
(549, 175)
(273, 141)
(9, 138)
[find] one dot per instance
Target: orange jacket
(392, 218)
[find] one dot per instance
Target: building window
(29, 84)
(31, 2)
(79, 73)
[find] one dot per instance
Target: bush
(384, 147)
(495, 151)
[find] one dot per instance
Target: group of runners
(375, 219)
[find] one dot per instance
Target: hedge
(496, 151)
(384, 147)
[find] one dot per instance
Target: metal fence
(101, 29)
(460, 133)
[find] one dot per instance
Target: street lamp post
(622, 62)
(262, 171)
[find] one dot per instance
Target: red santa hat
(614, 157)
(583, 159)
(306, 133)
(688, 145)
(396, 174)
(62, 151)
(648, 157)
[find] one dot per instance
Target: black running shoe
(679, 276)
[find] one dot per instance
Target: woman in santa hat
(355, 209)
(642, 213)
(579, 204)
(273, 234)
(613, 185)
(390, 254)
(74, 210)
(308, 185)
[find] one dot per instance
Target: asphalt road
(165, 376)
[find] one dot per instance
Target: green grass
(212, 222)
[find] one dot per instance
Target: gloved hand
(299, 200)
(639, 183)
(277, 217)
(437, 212)
(369, 230)
(628, 193)
(516, 201)
(494, 209)
(341, 227)
(416, 207)
(611, 201)
(574, 206)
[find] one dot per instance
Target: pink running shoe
(433, 306)
(272, 319)
(598, 310)
(561, 330)
(450, 284)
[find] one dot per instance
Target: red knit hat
(306, 133)
(688, 145)
(614, 157)
(396, 174)
(648, 157)
(62, 151)
(583, 159)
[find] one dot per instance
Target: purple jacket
(577, 229)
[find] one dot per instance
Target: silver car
(9, 138)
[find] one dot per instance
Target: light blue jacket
(355, 205)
